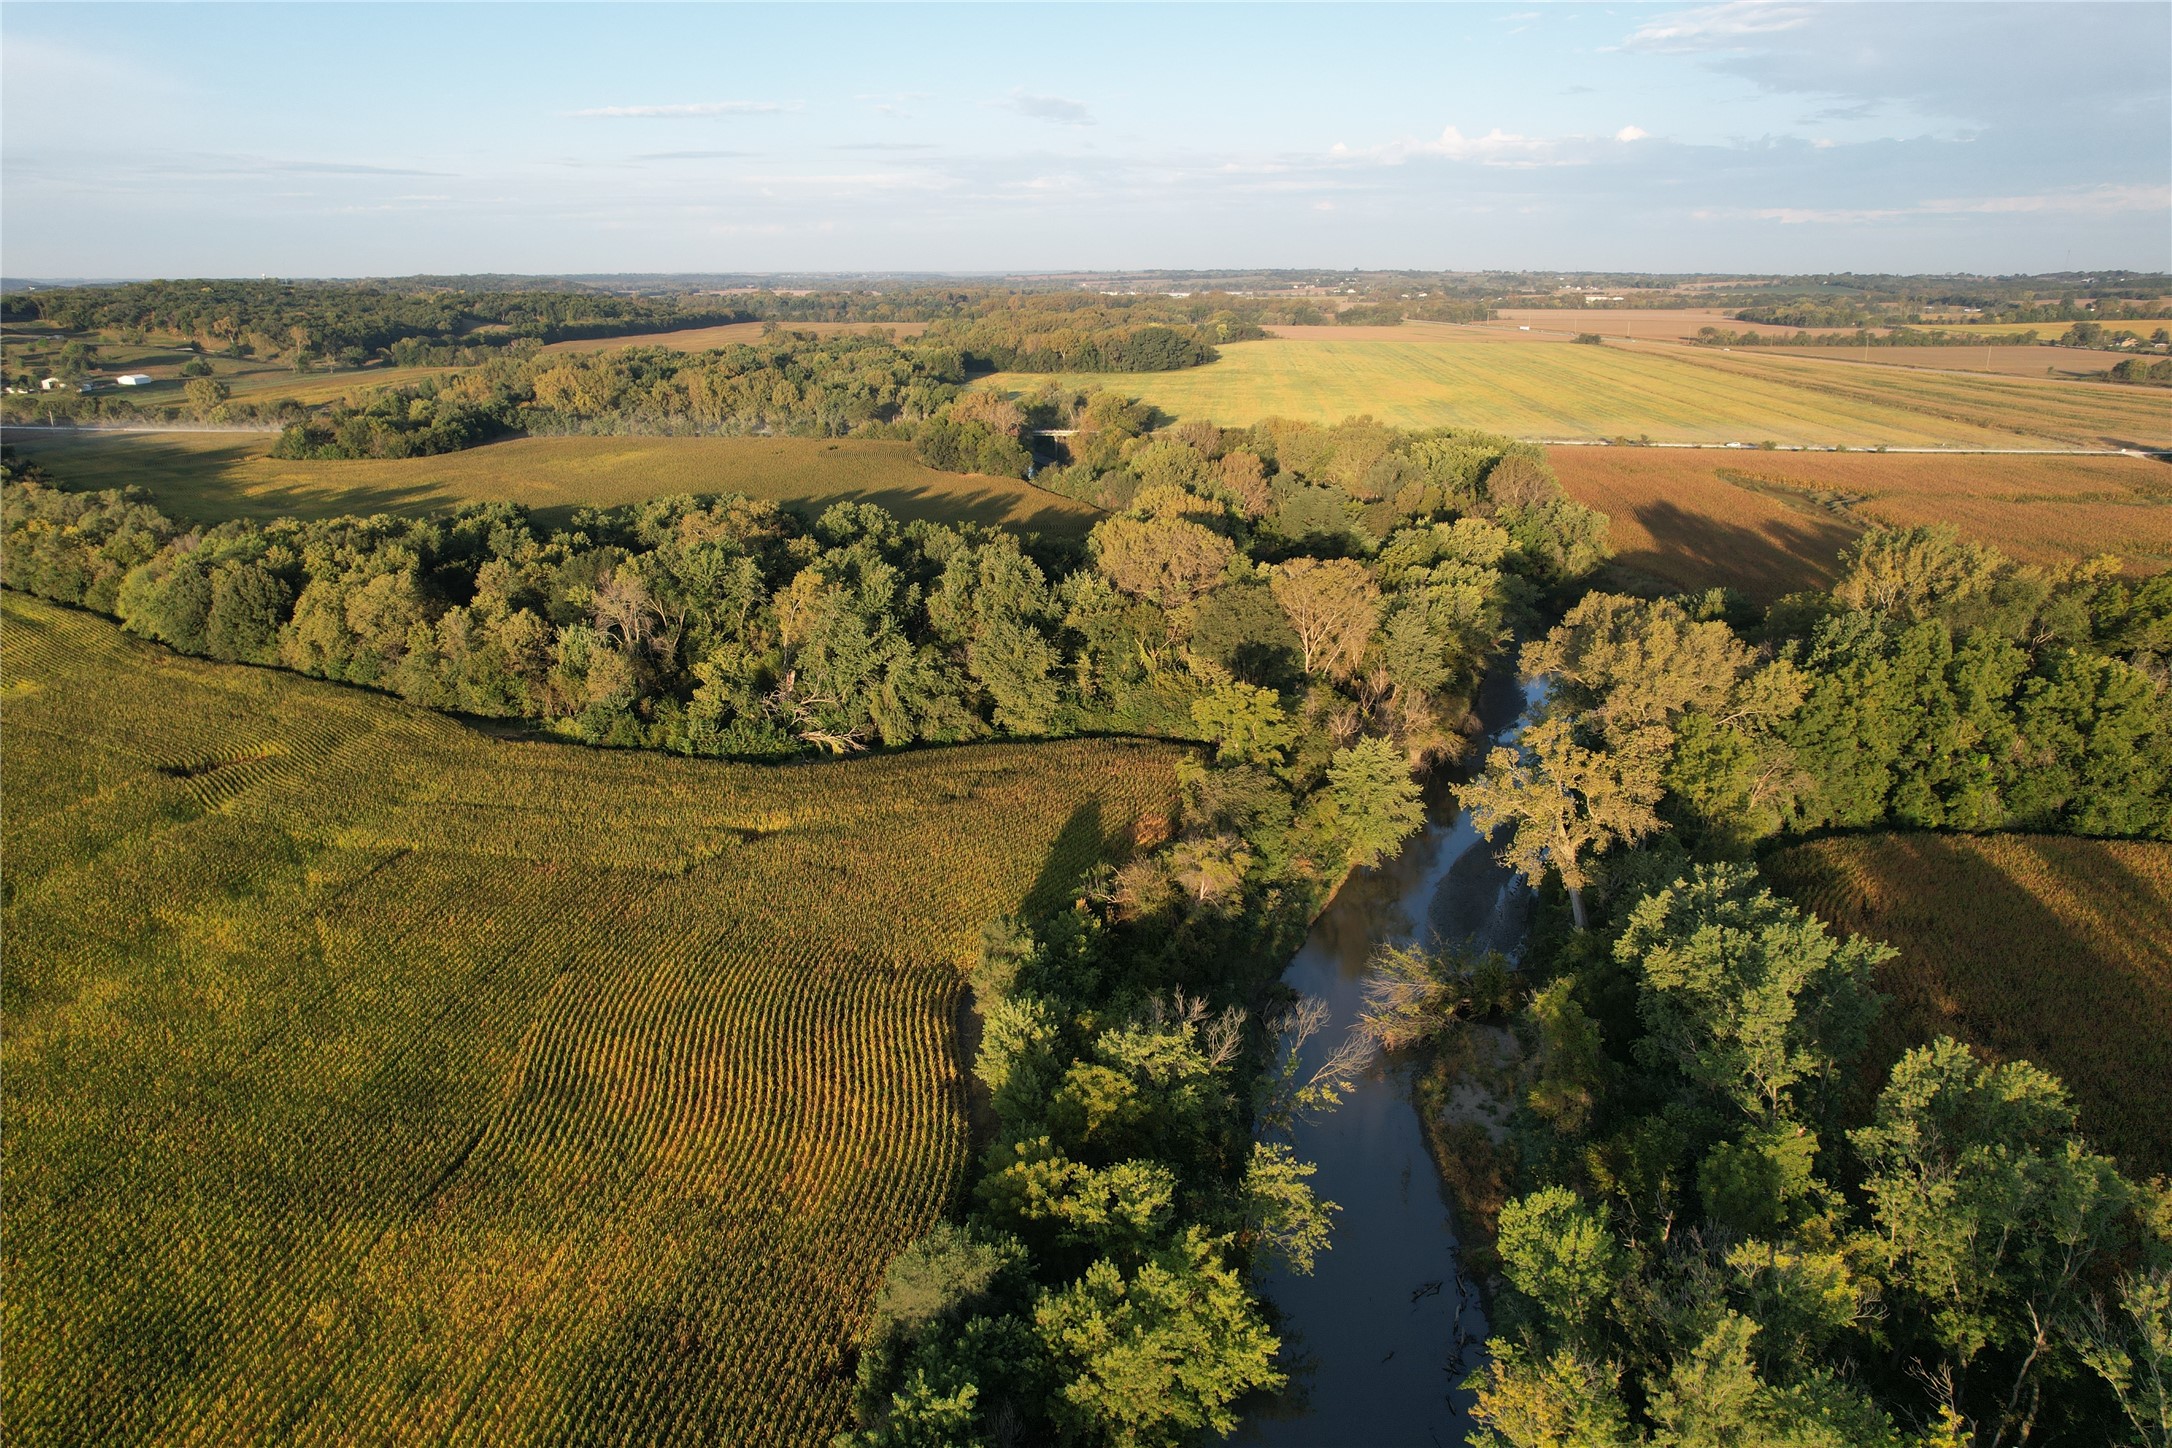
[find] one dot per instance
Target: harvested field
(1645, 322)
(1445, 375)
(2063, 362)
(1769, 522)
(374, 1080)
(211, 476)
(2053, 949)
(1675, 520)
(705, 339)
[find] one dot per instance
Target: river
(1379, 1338)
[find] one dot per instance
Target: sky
(396, 139)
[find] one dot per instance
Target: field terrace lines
(1434, 376)
(430, 1087)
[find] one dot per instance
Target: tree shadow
(1082, 843)
(1984, 958)
(1774, 557)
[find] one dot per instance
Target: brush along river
(1379, 1339)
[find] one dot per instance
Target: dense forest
(724, 626)
(786, 382)
(1721, 1229)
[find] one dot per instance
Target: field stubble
(1769, 523)
(1439, 375)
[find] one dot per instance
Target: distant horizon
(2077, 275)
(1745, 138)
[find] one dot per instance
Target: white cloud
(2088, 201)
(1058, 110)
(1495, 148)
(694, 110)
(1631, 133)
(1717, 26)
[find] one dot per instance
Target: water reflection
(1378, 1340)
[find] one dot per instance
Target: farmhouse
(51, 384)
(134, 379)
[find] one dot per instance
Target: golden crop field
(1771, 522)
(373, 1080)
(1479, 377)
(314, 389)
(212, 476)
(705, 339)
(2056, 950)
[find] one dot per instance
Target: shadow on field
(1985, 959)
(1080, 845)
(1698, 550)
(194, 477)
(948, 506)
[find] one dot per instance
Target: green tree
(205, 394)
(1564, 801)
(1714, 1397)
(1168, 561)
(1744, 995)
(1636, 663)
(1372, 802)
(1152, 1358)
(1561, 1254)
(1285, 1225)
(1246, 724)
(1991, 1216)
(1563, 1400)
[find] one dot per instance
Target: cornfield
(374, 1080)
(2050, 949)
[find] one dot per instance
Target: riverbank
(1380, 1338)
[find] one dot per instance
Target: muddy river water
(1379, 1338)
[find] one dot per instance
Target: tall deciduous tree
(1374, 802)
(1991, 1215)
(1743, 994)
(1333, 604)
(1169, 561)
(1564, 801)
(1153, 1358)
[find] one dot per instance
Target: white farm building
(134, 379)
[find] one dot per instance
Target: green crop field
(1506, 382)
(2053, 949)
(213, 476)
(374, 1080)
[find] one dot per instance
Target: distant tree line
(1938, 685)
(785, 383)
(722, 626)
(1889, 337)
(348, 322)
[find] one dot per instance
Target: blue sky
(327, 139)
